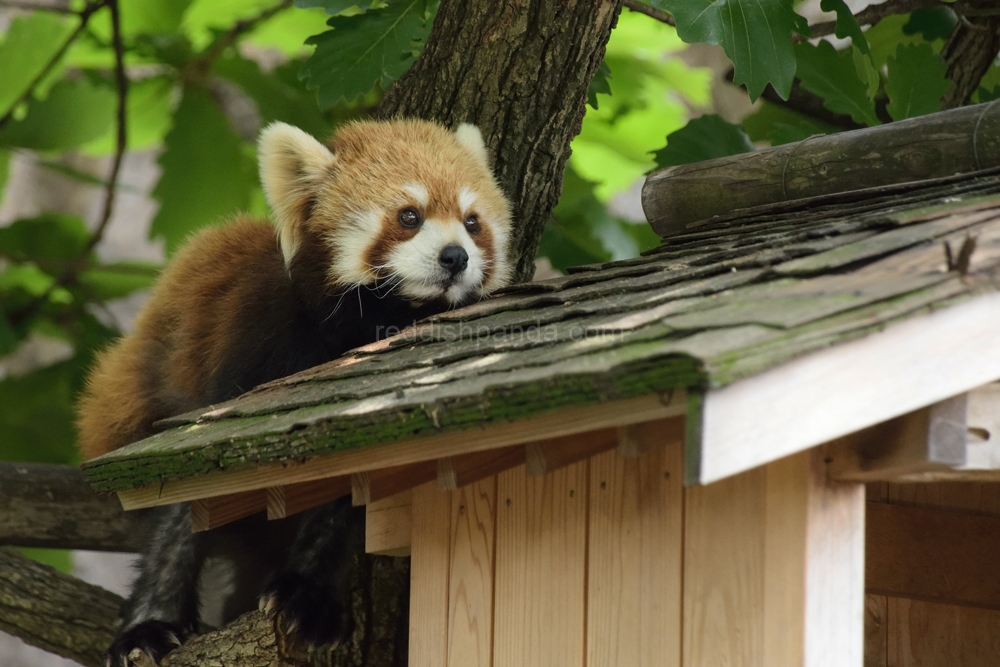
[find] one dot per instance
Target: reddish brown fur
(182, 335)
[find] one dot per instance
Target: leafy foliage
(831, 74)
(74, 113)
(755, 35)
(28, 45)
(703, 138)
(366, 50)
(916, 81)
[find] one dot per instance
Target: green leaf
(916, 82)
(599, 84)
(60, 559)
(148, 111)
(985, 95)
(4, 169)
(931, 22)
(866, 71)
(36, 422)
(152, 16)
(114, 281)
(847, 24)
(30, 43)
(366, 50)
(336, 6)
(26, 277)
(205, 172)
(831, 75)
(780, 125)
(703, 138)
(9, 337)
(757, 37)
(74, 113)
(50, 237)
(275, 99)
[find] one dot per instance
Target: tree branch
(84, 15)
(55, 611)
(31, 6)
(53, 507)
(198, 68)
(872, 14)
(650, 11)
(969, 53)
(121, 84)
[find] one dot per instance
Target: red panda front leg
(311, 594)
(162, 610)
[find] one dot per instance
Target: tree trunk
(969, 52)
(520, 70)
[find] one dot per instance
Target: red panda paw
(314, 614)
(143, 645)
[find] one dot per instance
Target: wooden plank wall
(579, 566)
(906, 632)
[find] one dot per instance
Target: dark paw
(311, 612)
(143, 644)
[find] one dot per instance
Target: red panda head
(404, 205)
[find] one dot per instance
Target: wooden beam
(370, 486)
(285, 501)
(929, 439)
(845, 388)
(209, 513)
(928, 633)
(557, 423)
(457, 471)
(547, 455)
(774, 568)
(933, 554)
(389, 525)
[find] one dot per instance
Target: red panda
(386, 223)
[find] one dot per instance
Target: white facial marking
(466, 198)
(350, 244)
(418, 265)
(419, 192)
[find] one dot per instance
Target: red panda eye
(409, 218)
(472, 224)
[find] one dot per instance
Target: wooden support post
(636, 439)
(389, 525)
(634, 555)
(540, 568)
(774, 568)
(285, 501)
(430, 567)
(209, 513)
(548, 455)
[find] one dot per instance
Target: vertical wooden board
(389, 525)
(876, 631)
(470, 608)
(614, 563)
(835, 572)
(634, 559)
(541, 541)
(724, 571)
(933, 634)
(661, 514)
(429, 577)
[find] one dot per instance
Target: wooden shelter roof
(725, 302)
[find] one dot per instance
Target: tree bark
(55, 611)
(520, 70)
(53, 506)
(969, 52)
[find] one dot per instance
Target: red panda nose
(454, 259)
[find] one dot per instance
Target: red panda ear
(292, 166)
(469, 136)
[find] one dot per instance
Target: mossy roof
(731, 298)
